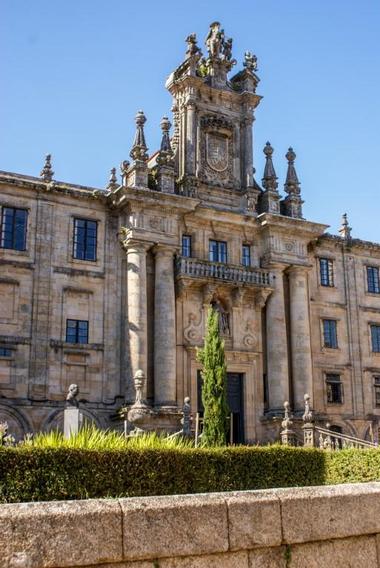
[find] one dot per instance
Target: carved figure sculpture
(192, 48)
(71, 398)
(250, 61)
(214, 40)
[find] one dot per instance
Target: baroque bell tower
(213, 118)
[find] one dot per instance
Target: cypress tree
(214, 387)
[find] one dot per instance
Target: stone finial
(293, 202)
(291, 182)
(112, 183)
(345, 229)
(139, 382)
(139, 148)
(71, 398)
(250, 61)
(166, 152)
(186, 419)
(270, 179)
(192, 48)
(47, 171)
(287, 422)
(307, 415)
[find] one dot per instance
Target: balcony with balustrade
(194, 268)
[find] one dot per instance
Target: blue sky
(74, 73)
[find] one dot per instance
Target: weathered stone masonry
(250, 254)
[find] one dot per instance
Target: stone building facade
(97, 284)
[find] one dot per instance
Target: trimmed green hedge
(35, 474)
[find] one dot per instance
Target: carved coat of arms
(217, 151)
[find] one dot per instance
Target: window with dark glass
(76, 331)
(373, 280)
(326, 272)
(218, 251)
(5, 352)
(330, 338)
(186, 245)
(13, 228)
(375, 338)
(334, 389)
(376, 386)
(246, 255)
(85, 237)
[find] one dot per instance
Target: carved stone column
(137, 305)
(164, 328)
(300, 334)
(247, 154)
(277, 348)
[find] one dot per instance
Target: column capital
(163, 249)
(298, 270)
(134, 245)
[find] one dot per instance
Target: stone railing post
(308, 426)
(287, 434)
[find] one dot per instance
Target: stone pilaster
(41, 315)
(277, 348)
(191, 130)
(137, 305)
(301, 361)
(164, 328)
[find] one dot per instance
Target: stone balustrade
(281, 528)
(195, 268)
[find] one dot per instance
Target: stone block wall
(286, 528)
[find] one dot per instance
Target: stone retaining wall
(333, 526)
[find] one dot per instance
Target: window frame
(374, 280)
(184, 247)
(375, 342)
(222, 255)
(330, 333)
(77, 333)
(3, 239)
(246, 247)
(376, 390)
(5, 352)
(327, 272)
(86, 239)
(329, 382)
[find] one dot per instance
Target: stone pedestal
(137, 175)
(300, 335)
(277, 348)
(137, 306)
(164, 328)
(165, 179)
(72, 421)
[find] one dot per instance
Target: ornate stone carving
(217, 151)
(47, 171)
(192, 48)
(250, 338)
(139, 148)
(193, 331)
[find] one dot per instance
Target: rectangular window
(330, 338)
(375, 338)
(326, 272)
(76, 331)
(85, 236)
(334, 389)
(376, 386)
(246, 255)
(186, 245)
(5, 352)
(13, 228)
(373, 281)
(218, 251)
